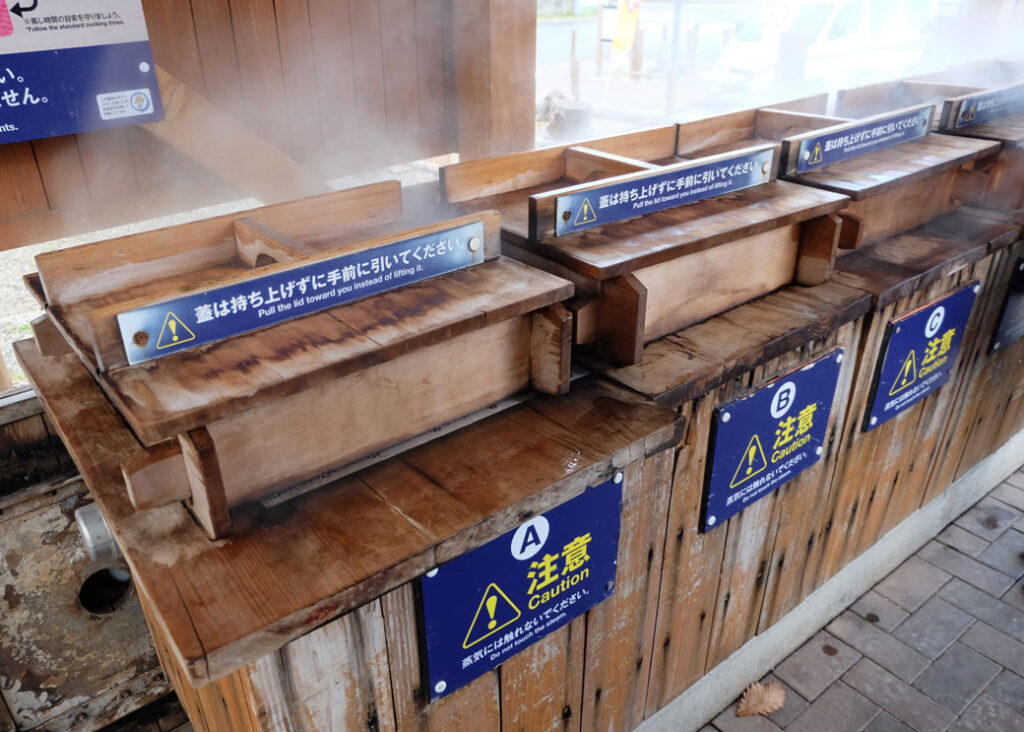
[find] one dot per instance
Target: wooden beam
(259, 244)
(156, 476)
(819, 243)
(495, 46)
(581, 163)
(50, 340)
(623, 313)
(212, 138)
(550, 349)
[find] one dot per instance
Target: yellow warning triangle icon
(174, 332)
(907, 375)
(586, 214)
(495, 612)
(751, 463)
(969, 114)
(815, 154)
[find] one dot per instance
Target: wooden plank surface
(610, 251)
(224, 604)
(882, 170)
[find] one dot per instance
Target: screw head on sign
(726, 416)
(996, 346)
(807, 154)
(609, 586)
(140, 339)
(977, 289)
(819, 450)
(839, 358)
(475, 244)
(711, 521)
(1021, 267)
(440, 686)
(566, 215)
(766, 168)
(432, 573)
(618, 477)
(874, 421)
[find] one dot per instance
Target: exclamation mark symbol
(492, 605)
(174, 329)
(751, 452)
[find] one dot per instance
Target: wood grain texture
(551, 349)
(622, 310)
(222, 605)
(819, 244)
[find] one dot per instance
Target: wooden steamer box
(246, 414)
(723, 584)
(606, 214)
(982, 101)
(306, 616)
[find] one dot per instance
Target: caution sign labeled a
(174, 332)
(494, 613)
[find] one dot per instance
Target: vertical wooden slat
(335, 677)
(401, 87)
(367, 54)
(215, 41)
(475, 706)
(335, 74)
(61, 171)
(172, 38)
(265, 102)
(541, 687)
(299, 69)
(107, 161)
(21, 188)
(620, 631)
(435, 122)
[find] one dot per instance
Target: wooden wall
(337, 86)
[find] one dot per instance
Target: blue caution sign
(1011, 320)
(762, 440)
(488, 605)
(68, 66)
(981, 108)
(852, 140)
(920, 351)
(221, 312)
(664, 188)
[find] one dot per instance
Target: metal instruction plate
(68, 66)
(920, 349)
(666, 188)
(221, 312)
(486, 606)
(851, 141)
(768, 437)
(1011, 319)
(985, 107)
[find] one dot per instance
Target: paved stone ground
(937, 645)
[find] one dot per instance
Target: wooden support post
(259, 244)
(819, 241)
(850, 234)
(157, 476)
(495, 48)
(48, 338)
(550, 349)
(623, 313)
(209, 504)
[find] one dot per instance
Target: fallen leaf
(761, 699)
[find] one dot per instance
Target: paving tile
(995, 645)
(885, 722)
(889, 652)
(1004, 618)
(957, 677)
(840, 709)
(934, 627)
(1009, 494)
(727, 721)
(1006, 554)
(911, 583)
(962, 540)
(795, 704)
(989, 518)
(987, 714)
(878, 611)
(1015, 595)
(898, 698)
(1017, 479)
(812, 668)
(969, 570)
(1008, 688)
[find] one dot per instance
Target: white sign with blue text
(68, 66)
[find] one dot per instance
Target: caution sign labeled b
(494, 613)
